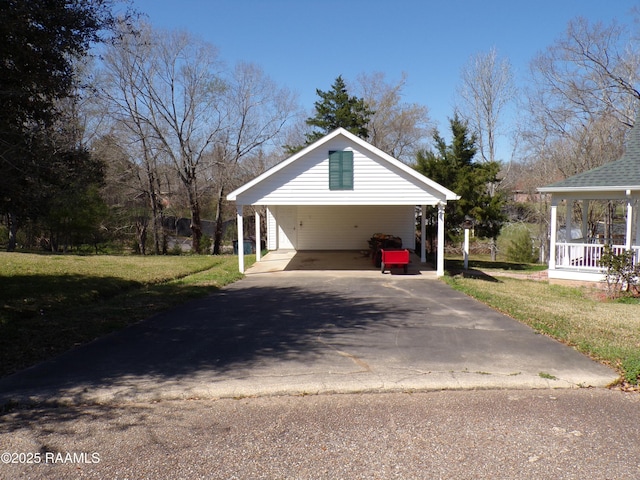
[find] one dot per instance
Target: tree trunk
(196, 225)
(13, 229)
(152, 197)
(141, 231)
(494, 249)
(156, 227)
(163, 237)
(217, 241)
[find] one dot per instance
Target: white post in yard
(466, 248)
(440, 260)
(240, 238)
(423, 234)
(552, 235)
(258, 242)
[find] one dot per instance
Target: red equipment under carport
(394, 259)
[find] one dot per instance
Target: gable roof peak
(447, 194)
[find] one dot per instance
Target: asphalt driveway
(309, 332)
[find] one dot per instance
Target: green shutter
(341, 170)
(347, 170)
(335, 161)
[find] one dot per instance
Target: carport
(335, 194)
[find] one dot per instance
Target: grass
(51, 303)
(607, 331)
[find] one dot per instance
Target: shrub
(622, 271)
(521, 249)
(205, 244)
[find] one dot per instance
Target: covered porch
(576, 245)
(575, 249)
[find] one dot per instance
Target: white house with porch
(574, 254)
(335, 194)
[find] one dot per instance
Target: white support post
(240, 238)
(440, 260)
(553, 235)
(423, 235)
(637, 210)
(629, 231)
(258, 242)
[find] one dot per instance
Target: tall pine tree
(335, 109)
(454, 167)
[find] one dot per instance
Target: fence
(586, 256)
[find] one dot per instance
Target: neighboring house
(336, 193)
(577, 258)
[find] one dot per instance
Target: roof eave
(448, 194)
(602, 191)
(606, 188)
(234, 195)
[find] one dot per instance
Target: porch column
(258, 242)
(552, 235)
(440, 260)
(637, 210)
(423, 234)
(629, 231)
(240, 238)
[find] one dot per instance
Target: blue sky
(306, 44)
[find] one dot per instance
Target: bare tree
(582, 98)
(166, 89)
(257, 111)
(397, 128)
(592, 71)
(580, 104)
(487, 88)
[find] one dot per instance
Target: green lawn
(606, 330)
(50, 303)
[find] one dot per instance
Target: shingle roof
(622, 174)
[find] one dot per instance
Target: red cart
(394, 259)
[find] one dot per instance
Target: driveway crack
(358, 361)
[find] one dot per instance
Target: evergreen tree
(453, 166)
(335, 109)
(39, 42)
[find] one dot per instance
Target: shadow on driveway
(298, 332)
(233, 329)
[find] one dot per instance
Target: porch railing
(586, 256)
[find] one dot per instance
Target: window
(340, 170)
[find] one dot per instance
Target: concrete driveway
(308, 332)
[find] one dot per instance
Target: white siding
(282, 228)
(306, 182)
(271, 231)
(340, 228)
